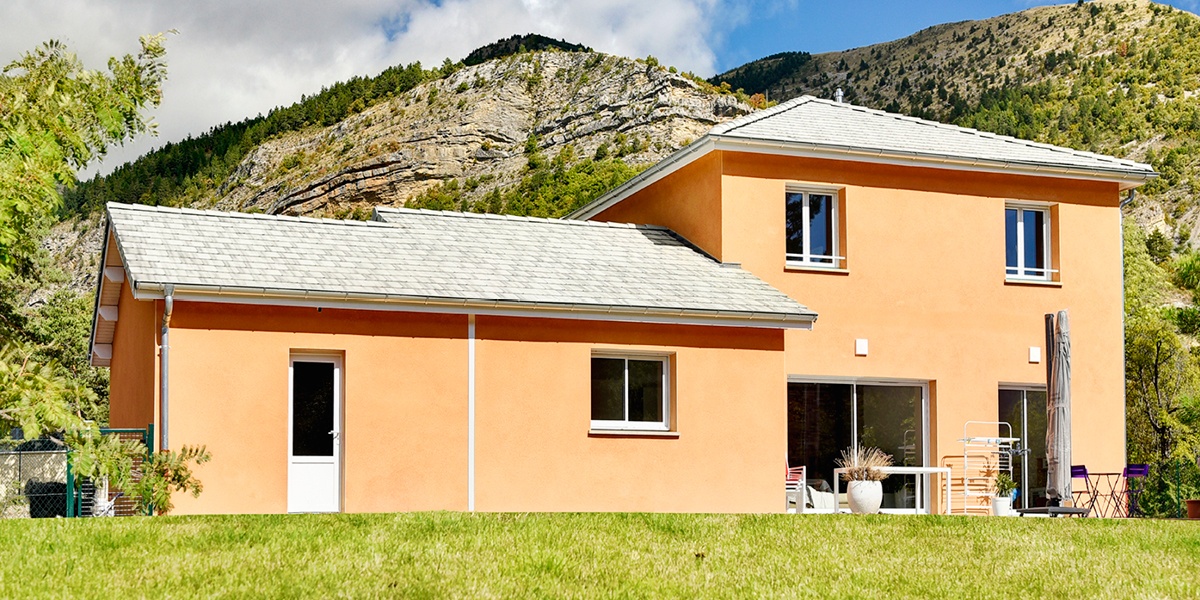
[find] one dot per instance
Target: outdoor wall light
(860, 347)
(1035, 354)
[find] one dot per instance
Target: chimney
(837, 96)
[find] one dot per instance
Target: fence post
(70, 491)
(149, 439)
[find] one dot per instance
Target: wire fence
(36, 481)
(33, 479)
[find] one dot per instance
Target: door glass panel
(1035, 440)
(820, 211)
(1012, 411)
(646, 390)
(312, 408)
(608, 389)
(1010, 240)
(890, 418)
(795, 223)
(818, 429)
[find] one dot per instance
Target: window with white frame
(630, 392)
(1027, 242)
(812, 228)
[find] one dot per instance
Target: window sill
(1033, 282)
(641, 433)
(806, 268)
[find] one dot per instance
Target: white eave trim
(1125, 179)
(303, 298)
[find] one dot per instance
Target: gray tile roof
(472, 260)
(833, 125)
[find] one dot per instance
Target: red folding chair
(794, 484)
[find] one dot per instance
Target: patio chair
(794, 488)
(1081, 472)
(1134, 474)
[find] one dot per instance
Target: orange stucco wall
(687, 201)
(404, 405)
(925, 286)
(405, 411)
(533, 411)
(132, 378)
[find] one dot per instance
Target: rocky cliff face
(476, 124)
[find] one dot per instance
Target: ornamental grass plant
(864, 463)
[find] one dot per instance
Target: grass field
(427, 555)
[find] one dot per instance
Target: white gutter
(510, 308)
(471, 413)
(164, 364)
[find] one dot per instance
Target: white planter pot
(1002, 507)
(864, 497)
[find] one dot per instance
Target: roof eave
(1126, 179)
(1135, 177)
(395, 302)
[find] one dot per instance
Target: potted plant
(1002, 501)
(864, 487)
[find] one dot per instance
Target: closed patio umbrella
(1058, 414)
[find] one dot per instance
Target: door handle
(335, 434)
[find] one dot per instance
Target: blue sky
(233, 59)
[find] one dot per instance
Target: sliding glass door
(1025, 410)
(826, 418)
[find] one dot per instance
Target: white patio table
(902, 470)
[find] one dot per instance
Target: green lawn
(599, 555)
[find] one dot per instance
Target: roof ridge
(121, 206)
(499, 217)
(985, 134)
(759, 115)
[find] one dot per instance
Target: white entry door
(314, 434)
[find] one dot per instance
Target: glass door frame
(854, 382)
(1024, 388)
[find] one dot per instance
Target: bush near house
(439, 555)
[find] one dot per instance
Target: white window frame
(627, 425)
(1044, 274)
(807, 259)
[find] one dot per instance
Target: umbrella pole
(1049, 358)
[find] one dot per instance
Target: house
(932, 253)
(654, 352)
(445, 361)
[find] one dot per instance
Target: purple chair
(1081, 472)
(1135, 474)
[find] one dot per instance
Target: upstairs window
(1027, 243)
(812, 228)
(630, 392)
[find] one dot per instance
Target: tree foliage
(1162, 376)
(548, 188)
(55, 117)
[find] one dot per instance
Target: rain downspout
(471, 412)
(164, 366)
(1121, 223)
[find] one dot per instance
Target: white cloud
(233, 59)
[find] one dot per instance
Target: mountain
(1120, 77)
(520, 44)
(536, 133)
